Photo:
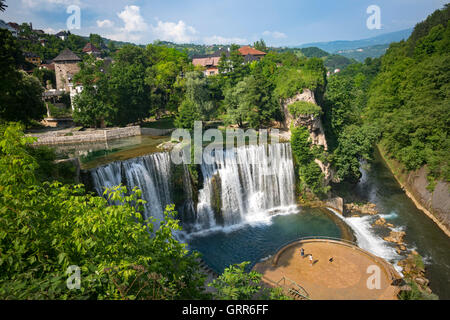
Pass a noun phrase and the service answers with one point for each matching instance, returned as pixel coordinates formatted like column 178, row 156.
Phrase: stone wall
column 61, row 71
column 65, row 137
column 155, row 132
column 435, row 204
column 87, row 136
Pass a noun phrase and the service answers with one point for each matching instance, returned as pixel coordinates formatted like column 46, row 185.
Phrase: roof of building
column 14, row 25
column 67, row 55
column 62, row 33
column 207, row 61
column 246, row 50
column 89, row 47
column 4, row 25
column 49, row 66
column 30, row 55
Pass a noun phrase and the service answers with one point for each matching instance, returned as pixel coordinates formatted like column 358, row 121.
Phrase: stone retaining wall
column 155, row 132
column 56, row 137
column 435, row 204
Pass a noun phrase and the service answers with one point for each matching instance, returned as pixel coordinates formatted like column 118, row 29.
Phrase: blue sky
column 279, row 23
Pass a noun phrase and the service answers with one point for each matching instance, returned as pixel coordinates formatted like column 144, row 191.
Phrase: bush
column 47, row 227
column 306, row 108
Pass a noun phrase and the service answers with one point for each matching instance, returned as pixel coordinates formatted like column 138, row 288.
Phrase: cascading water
column 239, row 185
column 152, row 174
column 246, row 184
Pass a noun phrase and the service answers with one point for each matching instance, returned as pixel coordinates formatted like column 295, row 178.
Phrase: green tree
column 237, row 284
column 97, row 41
column 20, row 93
column 260, row 45
column 309, row 173
column 197, row 91
column 93, row 106
column 129, row 93
column 187, row 114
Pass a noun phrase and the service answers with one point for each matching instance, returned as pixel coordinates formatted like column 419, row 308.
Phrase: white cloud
column 49, row 31
column 178, row 32
column 105, row 23
column 223, row 40
column 132, row 19
column 275, row 34
column 134, row 25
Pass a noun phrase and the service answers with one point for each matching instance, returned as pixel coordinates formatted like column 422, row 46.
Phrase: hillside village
column 55, row 60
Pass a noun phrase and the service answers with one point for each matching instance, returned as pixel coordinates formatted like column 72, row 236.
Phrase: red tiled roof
column 50, row 66
column 89, row 47
column 208, row 61
column 249, row 50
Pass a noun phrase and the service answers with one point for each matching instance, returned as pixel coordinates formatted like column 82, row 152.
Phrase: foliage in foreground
column 47, row 227
column 236, row 284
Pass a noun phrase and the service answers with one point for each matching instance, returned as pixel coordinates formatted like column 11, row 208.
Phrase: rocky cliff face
column 435, row 204
column 314, row 125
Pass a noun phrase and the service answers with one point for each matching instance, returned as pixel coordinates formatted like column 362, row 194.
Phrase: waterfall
column 239, row 185
column 249, row 182
column 151, row 174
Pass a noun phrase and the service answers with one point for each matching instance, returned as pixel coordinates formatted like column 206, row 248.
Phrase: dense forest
column 400, row 100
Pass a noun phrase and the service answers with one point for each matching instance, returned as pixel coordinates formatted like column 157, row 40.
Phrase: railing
column 389, row 269
column 318, row 237
column 314, row 238
column 300, row 291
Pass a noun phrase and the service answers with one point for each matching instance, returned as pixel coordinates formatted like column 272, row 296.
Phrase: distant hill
column 361, row 54
column 344, row 45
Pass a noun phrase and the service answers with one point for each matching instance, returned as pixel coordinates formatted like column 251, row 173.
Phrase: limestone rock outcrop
column 395, row 237
column 367, row 208
column 314, row 125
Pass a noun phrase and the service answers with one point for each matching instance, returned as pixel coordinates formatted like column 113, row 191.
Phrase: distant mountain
column 344, row 45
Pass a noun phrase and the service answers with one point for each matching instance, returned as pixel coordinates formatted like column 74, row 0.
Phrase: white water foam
column 389, row 216
column 368, row 240
column 264, row 218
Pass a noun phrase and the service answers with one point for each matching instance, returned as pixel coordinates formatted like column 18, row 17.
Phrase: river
column 378, row 185
column 252, row 238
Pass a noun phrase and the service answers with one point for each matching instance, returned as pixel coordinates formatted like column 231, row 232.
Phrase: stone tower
column 66, row 66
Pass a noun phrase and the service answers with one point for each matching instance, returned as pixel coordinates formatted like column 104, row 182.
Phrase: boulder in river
column 367, row 208
column 395, row 237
